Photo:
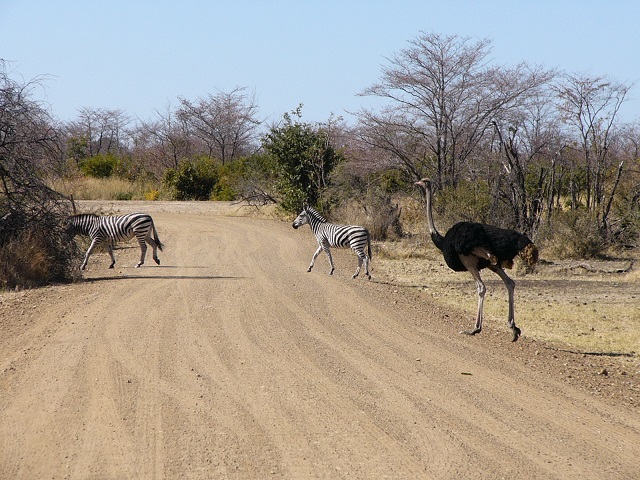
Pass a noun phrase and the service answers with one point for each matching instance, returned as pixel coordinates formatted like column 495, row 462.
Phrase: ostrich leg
column 469, row 262
column 510, row 284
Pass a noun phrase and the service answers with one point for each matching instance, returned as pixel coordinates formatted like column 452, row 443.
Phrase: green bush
column 227, row 178
column 101, row 166
column 304, row 159
column 193, row 179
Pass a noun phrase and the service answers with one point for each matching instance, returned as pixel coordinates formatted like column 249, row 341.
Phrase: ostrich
column 470, row 246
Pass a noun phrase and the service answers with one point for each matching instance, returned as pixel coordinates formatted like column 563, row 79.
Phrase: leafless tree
column 525, row 144
column 98, row 131
column 31, row 213
column 226, row 123
column 443, row 96
column 28, row 142
column 163, row 142
column 590, row 106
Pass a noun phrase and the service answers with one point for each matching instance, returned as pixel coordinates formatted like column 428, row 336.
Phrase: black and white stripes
column 332, row 235
column 111, row 229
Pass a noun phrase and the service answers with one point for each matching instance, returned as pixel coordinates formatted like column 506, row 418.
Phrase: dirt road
column 231, row 361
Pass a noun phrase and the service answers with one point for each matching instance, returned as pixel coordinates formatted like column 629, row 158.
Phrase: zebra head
column 70, row 227
column 79, row 224
column 301, row 219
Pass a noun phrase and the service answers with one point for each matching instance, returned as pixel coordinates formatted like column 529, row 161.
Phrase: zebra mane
column 312, row 212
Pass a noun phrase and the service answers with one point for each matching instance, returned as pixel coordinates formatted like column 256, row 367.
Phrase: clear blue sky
column 140, row 55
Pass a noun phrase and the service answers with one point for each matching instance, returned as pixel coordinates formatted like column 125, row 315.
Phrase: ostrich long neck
column 435, row 235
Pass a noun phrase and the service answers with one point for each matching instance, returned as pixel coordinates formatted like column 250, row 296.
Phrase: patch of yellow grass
column 111, row 188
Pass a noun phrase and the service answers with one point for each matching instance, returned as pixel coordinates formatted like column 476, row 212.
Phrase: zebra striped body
column 332, row 235
column 112, row 229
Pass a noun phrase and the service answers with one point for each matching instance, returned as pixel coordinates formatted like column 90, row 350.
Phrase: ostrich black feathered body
column 464, row 237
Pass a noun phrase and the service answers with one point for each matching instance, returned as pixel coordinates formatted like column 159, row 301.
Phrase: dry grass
column 28, row 261
column 111, row 188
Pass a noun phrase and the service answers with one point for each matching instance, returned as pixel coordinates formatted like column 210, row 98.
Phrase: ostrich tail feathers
column 529, row 254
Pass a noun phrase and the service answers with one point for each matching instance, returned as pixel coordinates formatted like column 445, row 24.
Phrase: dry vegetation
column 110, row 188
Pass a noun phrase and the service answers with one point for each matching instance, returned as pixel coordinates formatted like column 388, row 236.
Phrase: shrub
column 573, row 234
column 100, row 166
column 227, row 178
column 376, row 212
column 36, row 254
column 152, row 195
column 304, row 159
column 192, row 179
column 124, row 196
column 469, row 201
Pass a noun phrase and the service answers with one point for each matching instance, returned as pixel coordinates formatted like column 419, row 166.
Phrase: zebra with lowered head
column 112, row 229
column 332, row 235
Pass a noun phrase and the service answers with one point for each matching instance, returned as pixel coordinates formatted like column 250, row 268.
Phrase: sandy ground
column 231, row 361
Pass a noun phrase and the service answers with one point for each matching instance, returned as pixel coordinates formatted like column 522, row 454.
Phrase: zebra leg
column 154, row 246
column 113, row 258
column 362, row 259
column 155, row 253
column 326, row 249
column 94, row 244
column 359, row 266
column 313, row 258
column 143, row 252
column 366, row 266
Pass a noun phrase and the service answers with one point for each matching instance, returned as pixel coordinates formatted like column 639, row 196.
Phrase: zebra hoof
column 157, row 260
column 111, row 266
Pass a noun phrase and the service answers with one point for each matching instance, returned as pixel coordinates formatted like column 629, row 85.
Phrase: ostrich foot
column 516, row 333
column 471, row 332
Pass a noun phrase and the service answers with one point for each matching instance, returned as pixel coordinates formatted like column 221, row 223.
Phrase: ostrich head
column 424, row 183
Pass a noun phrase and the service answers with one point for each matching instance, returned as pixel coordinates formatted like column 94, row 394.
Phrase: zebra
column 111, row 229
column 332, row 235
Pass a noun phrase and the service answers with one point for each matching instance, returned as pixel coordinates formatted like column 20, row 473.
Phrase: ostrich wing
column 467, row 236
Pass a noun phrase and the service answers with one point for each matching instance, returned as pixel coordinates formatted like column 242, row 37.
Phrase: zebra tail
column 369, row 247
column 155, row 236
